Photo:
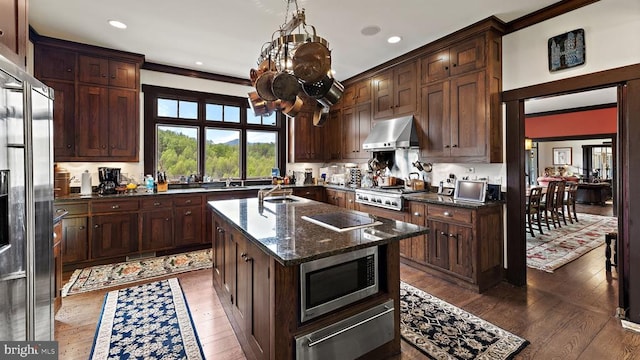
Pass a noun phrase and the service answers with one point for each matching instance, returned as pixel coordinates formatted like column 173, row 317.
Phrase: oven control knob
column 387, row 202
column 379, row 200
column 394, row 203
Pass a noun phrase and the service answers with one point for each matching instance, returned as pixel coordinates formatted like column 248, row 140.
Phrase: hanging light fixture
column 294, row 71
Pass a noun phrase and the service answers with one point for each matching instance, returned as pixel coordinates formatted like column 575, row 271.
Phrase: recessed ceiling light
column 198, row 62
column 370, row 30
column 394, row 39
column 117, row 24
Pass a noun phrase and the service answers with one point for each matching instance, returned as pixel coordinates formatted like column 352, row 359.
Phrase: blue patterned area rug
column 150, row 321
column 443, row 331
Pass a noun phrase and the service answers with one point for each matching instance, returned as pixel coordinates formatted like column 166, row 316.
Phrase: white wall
column 611, row 29
column 545, row 153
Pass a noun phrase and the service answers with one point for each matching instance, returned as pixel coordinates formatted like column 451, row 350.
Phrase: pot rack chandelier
column 294, row 71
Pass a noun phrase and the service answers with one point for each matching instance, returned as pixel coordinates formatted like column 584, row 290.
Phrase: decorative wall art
column 567, row 50
column 562, row 156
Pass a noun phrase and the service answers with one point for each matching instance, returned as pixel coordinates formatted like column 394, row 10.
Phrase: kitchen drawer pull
column 61, row 210
column 187, row 213
column 157, row 203
column 81, row 227
column 446, row 213
column 115, row 206
column 416, row 214
column 247, row 259
column 96, row 226
column 167, row 219
column 443, row 233
column 220, row 230
column 187, row 202
column 316, row 342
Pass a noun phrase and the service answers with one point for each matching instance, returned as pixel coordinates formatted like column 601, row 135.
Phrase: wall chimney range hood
column 389, row 135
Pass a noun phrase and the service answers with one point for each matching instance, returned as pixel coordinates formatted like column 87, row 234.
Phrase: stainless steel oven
column 330, row 283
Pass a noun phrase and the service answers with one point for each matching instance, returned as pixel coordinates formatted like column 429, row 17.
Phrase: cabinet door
column 332, row 134
column 157, row 230
column 383, row 101
column 230, row 256
column 123, row 126
column 434, row 131
column 122, row 74
column 188, row 225
column 350, row 134
column 416, row 247
column 313, row 193
column 460, row 260
column 350, row 200
column 218, row 246
column 75, row 242
column 336, row 197
column 438, row 244
column 93, row 122
column 93, row 70
column 404, row 88
column 467, row 56
column 241, row 307
column 64, row 131
column 13, row 30
column 434, row 67
column 257, row 328
column 468, row 115
column 114, row 235
column 51, row 63
column 357, row 93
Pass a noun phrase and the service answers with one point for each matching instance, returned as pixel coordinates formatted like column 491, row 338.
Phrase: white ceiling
column 226, row 36
column 572, row 101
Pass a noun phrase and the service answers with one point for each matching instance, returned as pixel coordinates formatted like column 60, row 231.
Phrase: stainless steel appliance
column 26, row 161
column 385, row 197
column 392, row 134
column 350, row 338
column 109, row 180
column 330, row 283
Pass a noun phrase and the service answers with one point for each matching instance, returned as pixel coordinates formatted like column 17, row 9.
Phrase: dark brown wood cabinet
column 356, row 93
column 316, row 193
column 14, row 22
column 332, row 134
column 356, row 124
column 74, row 243
column 96, row 112
column 459, row 116
column 187, row 215
column 463, row 245
column 157, row 224
column 336, row 197
column 305, row 140
column 114, row 228
column 394, row 91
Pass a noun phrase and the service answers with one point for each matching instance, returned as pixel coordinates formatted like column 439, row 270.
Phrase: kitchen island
column 261, row 251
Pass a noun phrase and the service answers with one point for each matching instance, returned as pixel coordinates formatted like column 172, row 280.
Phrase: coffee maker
column 109, row 180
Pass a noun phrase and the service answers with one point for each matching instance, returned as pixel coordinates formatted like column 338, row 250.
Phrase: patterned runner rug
column 150, row 321
column 560, row 246
column 443, row 331
column 111, row 275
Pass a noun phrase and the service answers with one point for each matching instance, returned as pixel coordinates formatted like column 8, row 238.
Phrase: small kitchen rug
column 443, row 331
column 149, row 321
column 112, row 275
column 559, row 246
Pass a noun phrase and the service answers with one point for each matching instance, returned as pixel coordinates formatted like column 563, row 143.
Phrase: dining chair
column 570, row 201
column 533, row 210
column 560, row 198
column 548, row 205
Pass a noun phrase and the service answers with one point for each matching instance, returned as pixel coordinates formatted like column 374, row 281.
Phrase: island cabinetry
column 74, row 241
column 114, row 228
column 187, row 215
column 460, row 118
column 356, row 125
column 157, row 224
column 464, row 245
column 394, row 91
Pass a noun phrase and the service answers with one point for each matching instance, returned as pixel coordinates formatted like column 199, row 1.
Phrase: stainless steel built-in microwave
column 330, row 283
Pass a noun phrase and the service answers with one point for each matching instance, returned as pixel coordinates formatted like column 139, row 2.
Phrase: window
column 211, row 136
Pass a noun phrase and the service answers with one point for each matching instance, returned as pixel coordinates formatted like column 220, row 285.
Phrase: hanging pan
column 311, row 61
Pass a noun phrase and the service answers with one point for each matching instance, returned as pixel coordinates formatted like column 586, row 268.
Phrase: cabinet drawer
column 450, row 213
column 157, row 202
column 71, row 208
column 187, row 200
column 115, row 205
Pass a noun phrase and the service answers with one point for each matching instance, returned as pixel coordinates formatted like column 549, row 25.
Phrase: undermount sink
column 279, row 199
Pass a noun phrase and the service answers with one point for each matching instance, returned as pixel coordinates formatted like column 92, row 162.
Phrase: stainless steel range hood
column 386, row 135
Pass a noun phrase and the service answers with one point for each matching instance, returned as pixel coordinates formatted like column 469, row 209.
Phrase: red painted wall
column 600, row 121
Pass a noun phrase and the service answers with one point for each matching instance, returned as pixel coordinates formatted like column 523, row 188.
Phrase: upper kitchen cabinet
column 96, row 113
column 460, row 117
column 394, row 91
column 305, row 139
column 102, row 71
column 332, row 134
column 14, row 33
column 356, row 124
column 356, row 93
column 455, row 60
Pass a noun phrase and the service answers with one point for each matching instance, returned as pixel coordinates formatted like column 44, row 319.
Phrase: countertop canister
column 85, row 184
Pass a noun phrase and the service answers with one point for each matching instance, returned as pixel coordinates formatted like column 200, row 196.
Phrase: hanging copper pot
column 263, row 86
column 285, row 86
column 320, row 115
column 311, row 61
column 292, row 108
column 260, row 106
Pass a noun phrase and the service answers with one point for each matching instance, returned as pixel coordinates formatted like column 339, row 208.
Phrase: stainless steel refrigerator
column 26, row 206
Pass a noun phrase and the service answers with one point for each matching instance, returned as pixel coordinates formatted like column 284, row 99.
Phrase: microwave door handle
column 316, row 342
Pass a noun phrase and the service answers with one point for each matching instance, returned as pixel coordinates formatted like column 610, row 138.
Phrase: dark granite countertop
column 280, row 231
column 57, row 217
column 433, row 198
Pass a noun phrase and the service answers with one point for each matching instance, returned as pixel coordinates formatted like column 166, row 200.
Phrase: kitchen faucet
column 262, row 193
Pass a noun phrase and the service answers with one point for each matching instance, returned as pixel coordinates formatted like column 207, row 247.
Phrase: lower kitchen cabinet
column 114, row 235
column 74, row 243
column 336, row 197
column 157, row 230
column 464, row 245
column 316, row 193
column 187, row 215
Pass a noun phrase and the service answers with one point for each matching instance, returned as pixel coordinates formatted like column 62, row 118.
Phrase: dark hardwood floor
column 568, row 314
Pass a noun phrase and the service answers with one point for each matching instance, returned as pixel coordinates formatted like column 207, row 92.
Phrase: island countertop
column 280, row 231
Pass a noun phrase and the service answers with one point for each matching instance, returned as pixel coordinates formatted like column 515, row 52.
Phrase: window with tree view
column 208, row 137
